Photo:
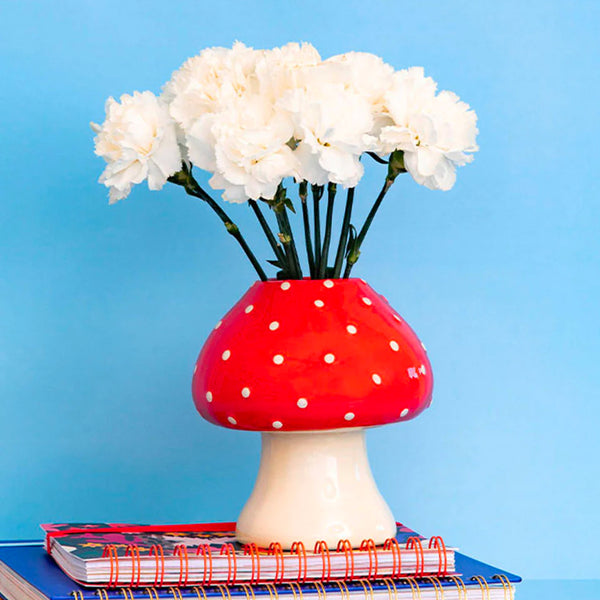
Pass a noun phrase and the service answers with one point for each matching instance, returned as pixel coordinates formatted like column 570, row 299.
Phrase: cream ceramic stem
column 315, row 486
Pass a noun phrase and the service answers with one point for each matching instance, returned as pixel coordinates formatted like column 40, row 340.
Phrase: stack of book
column 203, row 561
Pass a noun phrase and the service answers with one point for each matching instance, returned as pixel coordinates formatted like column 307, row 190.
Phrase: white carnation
column 210, row 82
column 277, row 71
column 367, row 75
column 138, row 141
column 331, row 125
column 251, row 149
column 436, row 132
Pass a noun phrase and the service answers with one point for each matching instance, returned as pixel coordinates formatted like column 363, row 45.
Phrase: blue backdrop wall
column 104, row 309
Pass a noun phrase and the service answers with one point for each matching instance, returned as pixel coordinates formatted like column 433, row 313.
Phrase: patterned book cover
column 108, row 554
column 87, row 540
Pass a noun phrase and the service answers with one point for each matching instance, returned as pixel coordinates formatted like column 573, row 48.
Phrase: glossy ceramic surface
column 308, row 355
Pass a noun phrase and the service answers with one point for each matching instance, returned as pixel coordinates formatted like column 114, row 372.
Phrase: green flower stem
column 287, row 240
column 307, row 239
column 355, row 251
column 285, row 221
column 331, row 190
column 317, row 193
column 339, row 257
column 192, row 188
column 377, row 158
column 279, row 255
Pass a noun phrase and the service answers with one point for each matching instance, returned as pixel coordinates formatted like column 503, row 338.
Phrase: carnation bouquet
column 309, row 359
column 262, row 121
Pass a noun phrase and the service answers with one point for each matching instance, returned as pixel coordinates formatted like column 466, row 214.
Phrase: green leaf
column 287, row 202
column 352, row 235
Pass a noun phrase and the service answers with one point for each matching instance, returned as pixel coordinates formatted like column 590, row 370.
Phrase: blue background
column 104, row 309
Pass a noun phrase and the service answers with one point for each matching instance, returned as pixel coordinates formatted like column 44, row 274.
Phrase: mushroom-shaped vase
column 312, row 364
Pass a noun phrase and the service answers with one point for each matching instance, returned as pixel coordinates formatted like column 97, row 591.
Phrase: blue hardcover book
column 28, row 572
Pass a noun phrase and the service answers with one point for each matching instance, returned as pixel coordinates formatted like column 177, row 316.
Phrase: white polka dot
column 394, row 345
column 404, row 412
column 328, row 283
column 209, row 396
column 226, row 354
column 376, row 379
column 367, row 301
column 232, row 420
column 286, row 285
column 277, row 424
column 319, row 303
column 249, row 308
column 273, row 325
column 329, row 358
column 351, row 329
column 302, row 403
column 218, row 324
column 397, row 318
column 278, row 359
column 349, row 416
column 246, row 392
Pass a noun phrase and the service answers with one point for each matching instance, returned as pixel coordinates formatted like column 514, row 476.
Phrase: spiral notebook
column 109, row 555
column 28, row 573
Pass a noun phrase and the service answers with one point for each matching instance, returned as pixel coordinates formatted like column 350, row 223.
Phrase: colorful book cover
column 103, row 554
column 88, row 540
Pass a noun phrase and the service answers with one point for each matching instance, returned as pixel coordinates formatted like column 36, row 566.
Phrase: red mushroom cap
column 306, row 355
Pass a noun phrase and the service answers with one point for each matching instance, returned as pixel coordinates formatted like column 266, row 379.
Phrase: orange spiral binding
column 152, row 593
column 134, row 551
column 369, row 546
column 157, row 551
column 414, row 587
column 200, row 589
column 391, row 587
column 415, row 542
column 127, row 594
column 393, row 545
column 437, row 586
column 346, row 547
column 184, row 565
column 322, row 549
column 248, row 590
column 102, row 594
column 438, row 543
column 229, row 550
column 206, row 552
column 110, row 551
column 77, row 595
column 460, row 586
column 483, row 585
column 252, row 550
column 506, row 586
column 176, row 593
column 367, row 587
column 273, row 593
column 276, row 550
column 299, row 549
